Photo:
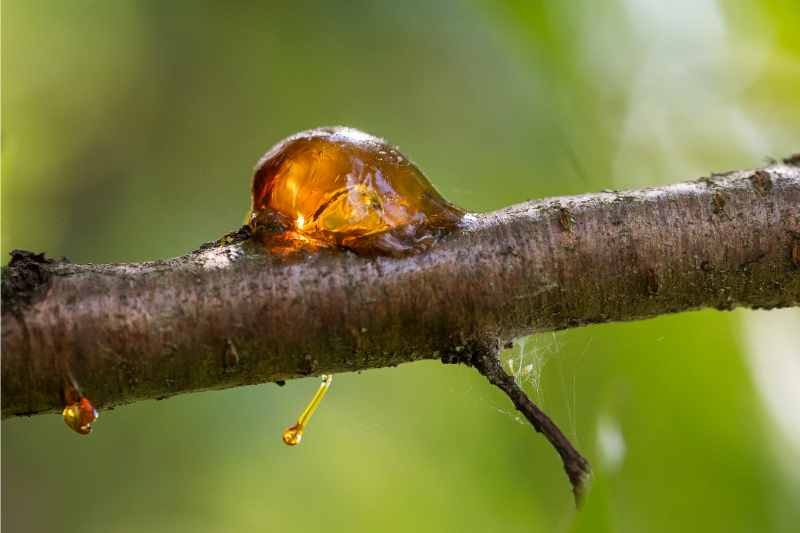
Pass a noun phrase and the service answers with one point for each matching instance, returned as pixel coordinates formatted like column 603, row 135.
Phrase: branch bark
column 229, row 314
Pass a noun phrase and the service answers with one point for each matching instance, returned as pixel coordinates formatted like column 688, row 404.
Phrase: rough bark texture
column 230, row 314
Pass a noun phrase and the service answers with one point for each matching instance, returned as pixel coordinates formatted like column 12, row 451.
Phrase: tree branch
column 576, row 467
column 229, row 314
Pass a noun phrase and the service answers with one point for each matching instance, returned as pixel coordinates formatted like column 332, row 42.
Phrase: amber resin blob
column 80, row 415
column 343, row 187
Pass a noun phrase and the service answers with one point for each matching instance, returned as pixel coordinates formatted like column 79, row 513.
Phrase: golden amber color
column 80, row 415
column 294, row 434
column 343, row 187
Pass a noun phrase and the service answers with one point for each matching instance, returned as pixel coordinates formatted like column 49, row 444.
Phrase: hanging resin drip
column 80, row 415
column 294, row 434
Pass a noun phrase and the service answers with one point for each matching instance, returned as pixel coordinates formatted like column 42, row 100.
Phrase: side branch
column 230, row 314
column 575, row 465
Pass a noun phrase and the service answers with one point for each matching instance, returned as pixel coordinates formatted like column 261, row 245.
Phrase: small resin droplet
column 80, row 415
column 343, row 187
column 294, row 434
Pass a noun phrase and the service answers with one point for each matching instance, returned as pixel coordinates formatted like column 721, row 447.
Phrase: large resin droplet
column 343, row 187
column 80, row 415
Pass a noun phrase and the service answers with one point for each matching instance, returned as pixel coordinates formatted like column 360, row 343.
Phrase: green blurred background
column 128, row 133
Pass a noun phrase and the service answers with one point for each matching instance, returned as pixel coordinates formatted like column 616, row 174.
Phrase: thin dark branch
column 575, row 465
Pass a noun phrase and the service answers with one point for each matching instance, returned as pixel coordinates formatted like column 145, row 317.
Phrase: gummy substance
column 294, row 434
column 80, row 415
column 343, row 187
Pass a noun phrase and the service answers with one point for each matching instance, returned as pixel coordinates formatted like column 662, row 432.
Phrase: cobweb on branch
column 526, row 361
